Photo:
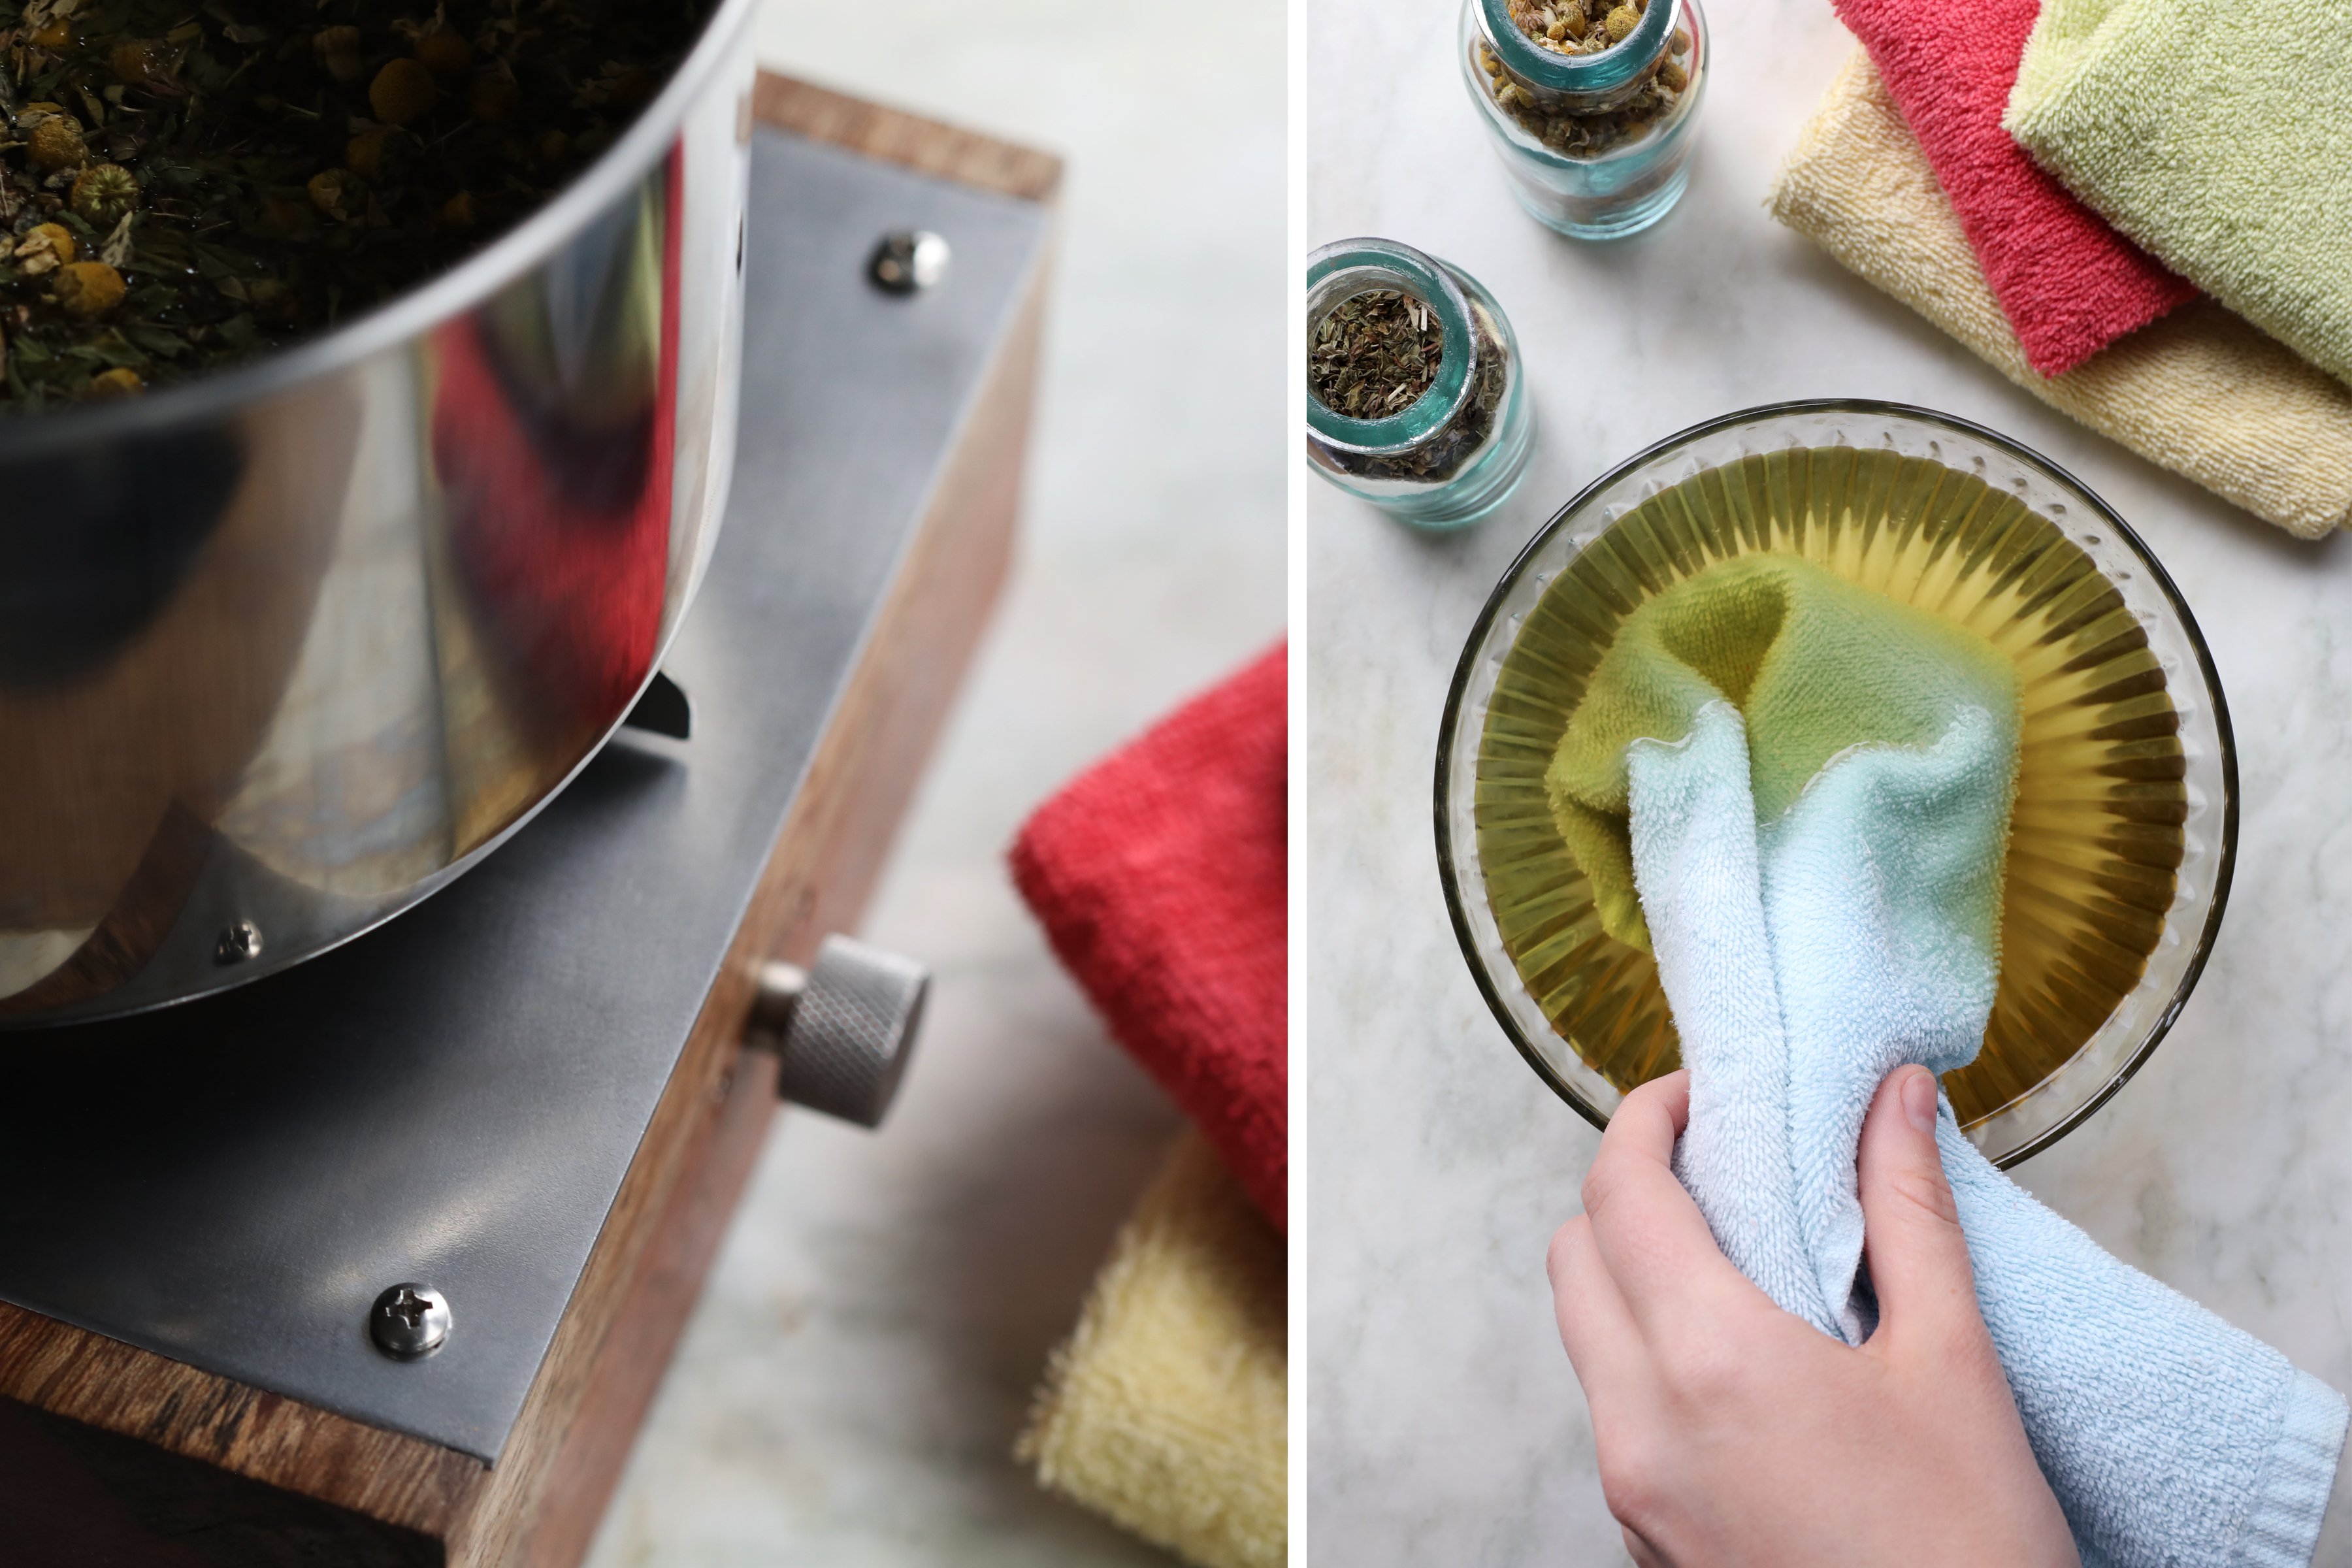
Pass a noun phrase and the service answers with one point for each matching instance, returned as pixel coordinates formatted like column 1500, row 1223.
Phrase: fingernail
column 1918, row 1094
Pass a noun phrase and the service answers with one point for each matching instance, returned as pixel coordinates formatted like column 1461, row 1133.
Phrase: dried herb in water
column 1587, row 28
column 184, row 184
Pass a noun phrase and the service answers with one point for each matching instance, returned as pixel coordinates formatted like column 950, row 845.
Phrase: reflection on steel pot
column 283, row 651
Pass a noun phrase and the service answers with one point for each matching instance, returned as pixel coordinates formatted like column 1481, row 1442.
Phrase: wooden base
column 110, row 1454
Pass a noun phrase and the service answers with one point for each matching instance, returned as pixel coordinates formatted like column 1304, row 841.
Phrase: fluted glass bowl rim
column 1482, row 642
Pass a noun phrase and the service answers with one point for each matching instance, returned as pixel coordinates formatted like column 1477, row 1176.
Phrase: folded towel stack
column 2199, row 392
column 2219, row 146
column 1160, row 876
column 2222, row 144
column 1166, row 1409
column 2069, row 284
column 1812, row 939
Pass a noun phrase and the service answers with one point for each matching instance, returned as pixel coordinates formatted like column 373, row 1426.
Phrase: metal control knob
column 845, row 1026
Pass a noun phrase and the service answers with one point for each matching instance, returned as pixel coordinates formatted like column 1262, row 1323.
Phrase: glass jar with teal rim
column 1593, row 104
column 1449, row 456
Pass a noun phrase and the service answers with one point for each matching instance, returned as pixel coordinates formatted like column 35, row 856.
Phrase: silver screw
column 237, row 943
column 409, row 1320
column 909, row 259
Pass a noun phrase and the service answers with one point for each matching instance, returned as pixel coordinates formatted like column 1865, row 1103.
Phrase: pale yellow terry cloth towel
column 1166, row 1410
column 2221, row 139
column 2198, row 391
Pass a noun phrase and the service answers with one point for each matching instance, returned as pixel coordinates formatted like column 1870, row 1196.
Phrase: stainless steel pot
column 285, row 650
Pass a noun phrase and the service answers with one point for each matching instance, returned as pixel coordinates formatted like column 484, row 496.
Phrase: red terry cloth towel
column 1161, row 876
column 2068, row 283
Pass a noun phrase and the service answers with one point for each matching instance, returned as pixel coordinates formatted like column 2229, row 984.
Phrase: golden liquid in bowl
column 2095, row 836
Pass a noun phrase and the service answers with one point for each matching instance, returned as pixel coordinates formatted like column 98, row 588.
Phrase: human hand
column 1730, row 1432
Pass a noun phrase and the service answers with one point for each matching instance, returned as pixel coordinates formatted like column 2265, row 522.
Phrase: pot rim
column 441, row 296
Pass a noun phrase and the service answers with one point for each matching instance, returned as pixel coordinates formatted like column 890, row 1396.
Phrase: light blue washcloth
column 1805, row 959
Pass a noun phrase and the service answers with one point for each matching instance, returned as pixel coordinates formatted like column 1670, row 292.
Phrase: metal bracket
column 844, row 1027
column 663, row 709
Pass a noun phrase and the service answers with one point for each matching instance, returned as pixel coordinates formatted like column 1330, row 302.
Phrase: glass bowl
column 2126, row 825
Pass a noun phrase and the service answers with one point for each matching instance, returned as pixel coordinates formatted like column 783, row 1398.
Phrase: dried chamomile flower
column 373, row 154
column 220, row 175
column 443, row 53
column 343, row 51
column 1565, row 26
column 288, row 212
column 120, row 382
column 493, row 99
column 55, row 143
column 89, row 289
column 338, row 193
column 44, row 248
column 102, row 194
column 402, row 93
column 1585, row 135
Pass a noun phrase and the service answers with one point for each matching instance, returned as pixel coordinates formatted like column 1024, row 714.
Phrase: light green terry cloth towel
column 1816, row 666
column 2221, row 140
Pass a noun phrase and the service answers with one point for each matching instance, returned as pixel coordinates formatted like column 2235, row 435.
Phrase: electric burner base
column 532, row 1093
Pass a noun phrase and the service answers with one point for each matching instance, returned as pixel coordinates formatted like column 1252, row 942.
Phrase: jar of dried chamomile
column 1414, row 399
column 1593, row 104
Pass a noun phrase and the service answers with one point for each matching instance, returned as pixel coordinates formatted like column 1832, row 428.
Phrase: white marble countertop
column 1444, row 1425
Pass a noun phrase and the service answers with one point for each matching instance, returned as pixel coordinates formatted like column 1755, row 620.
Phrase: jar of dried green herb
column 1593, row 104
column 1414, row 399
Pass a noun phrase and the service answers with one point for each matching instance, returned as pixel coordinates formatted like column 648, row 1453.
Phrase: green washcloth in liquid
column 1816, row 666
column 2221, row 140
